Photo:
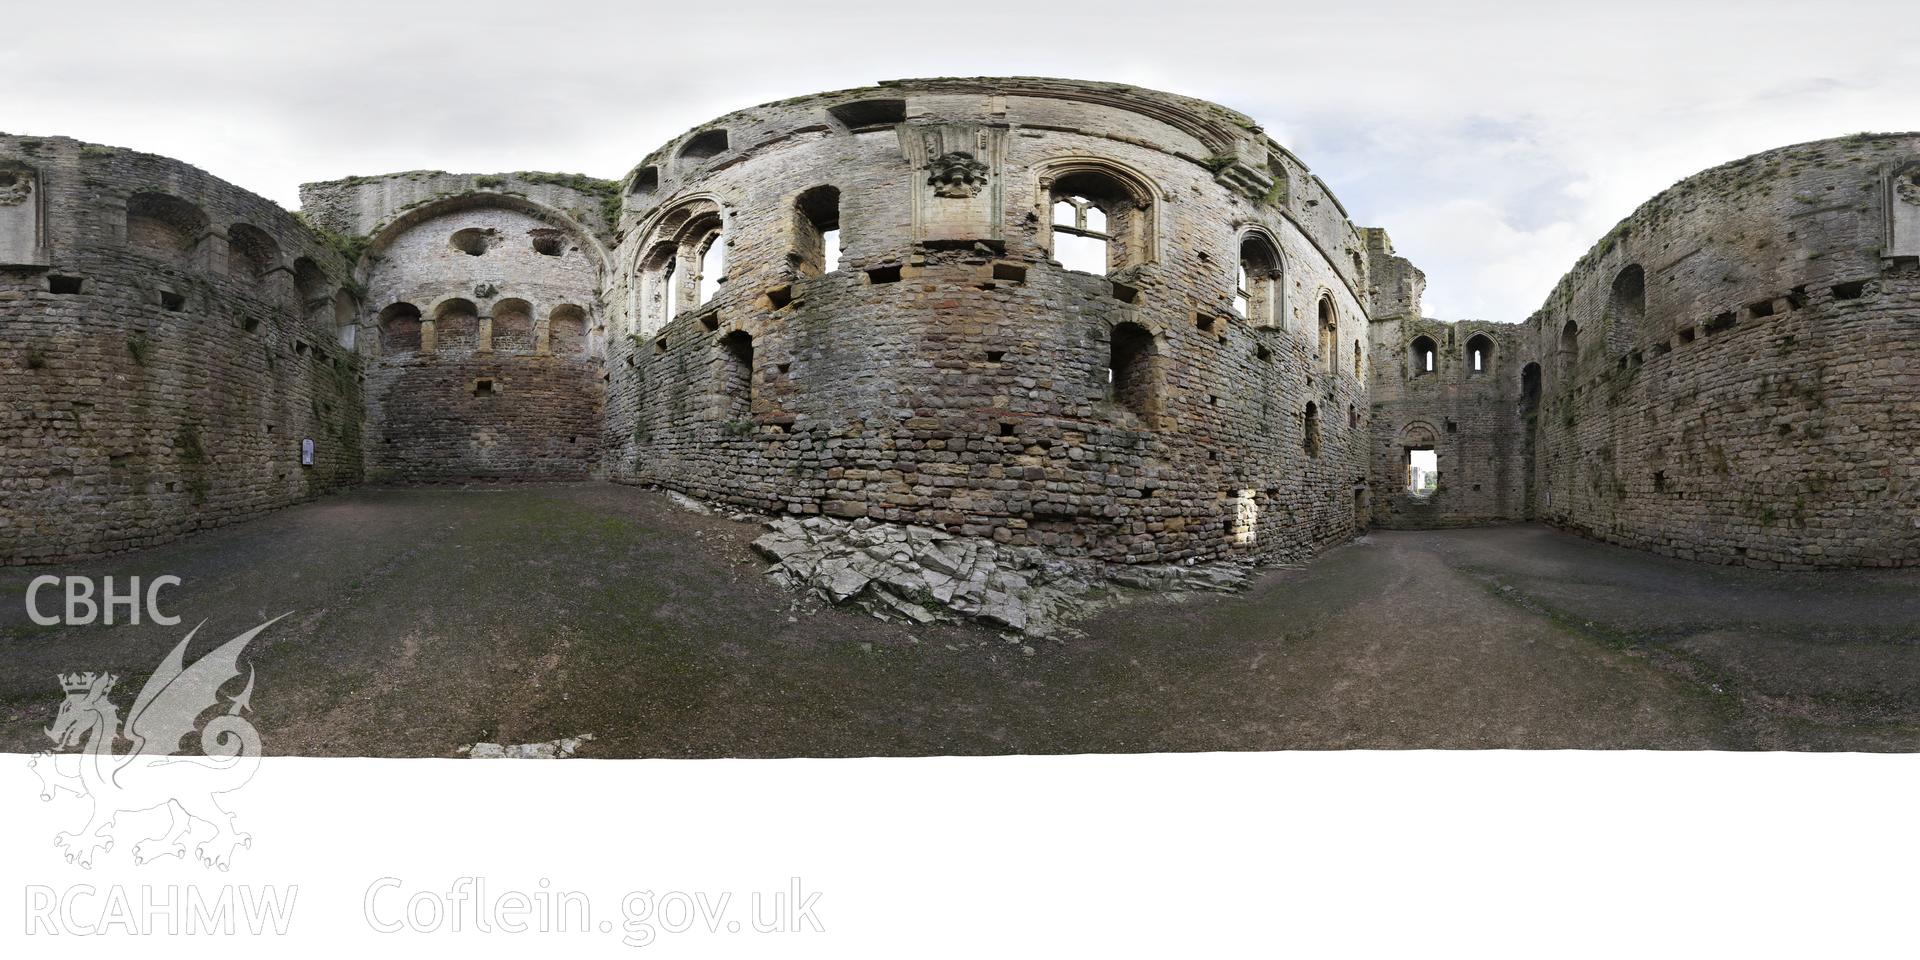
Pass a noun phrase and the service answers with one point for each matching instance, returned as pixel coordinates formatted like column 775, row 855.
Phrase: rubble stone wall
column 951, row 373
column 168, row 341
column 1761, row 404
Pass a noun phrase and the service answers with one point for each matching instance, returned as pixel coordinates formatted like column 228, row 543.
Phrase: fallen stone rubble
column 921, row 575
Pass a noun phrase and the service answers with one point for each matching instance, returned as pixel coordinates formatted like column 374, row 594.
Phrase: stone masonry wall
column 486, row 346
column 957, row 377
column 1763, row 407
column 165, row 356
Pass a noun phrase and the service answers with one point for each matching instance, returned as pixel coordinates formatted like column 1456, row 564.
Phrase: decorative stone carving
column 956, row 187
column 16, row 187
column 956, row 175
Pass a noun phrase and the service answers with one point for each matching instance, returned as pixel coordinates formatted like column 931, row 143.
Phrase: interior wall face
column 1763, row 407
column 500, row 377
column 163, row 363
column 1728, row 376
column 949, row 372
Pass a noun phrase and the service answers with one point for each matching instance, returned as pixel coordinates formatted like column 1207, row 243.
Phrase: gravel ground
column 425, row 619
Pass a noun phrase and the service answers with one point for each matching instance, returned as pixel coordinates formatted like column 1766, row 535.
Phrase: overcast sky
column 1495, row 142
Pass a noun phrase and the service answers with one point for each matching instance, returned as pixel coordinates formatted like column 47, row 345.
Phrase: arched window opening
column 1530, row 387
column 1569, row 348
column 346, row 328
column 1257, row 285
column 1130, row 368
column 456, row 326
column 713, row 266
column 736, row 373
column 400, row 328
column 1627, row 303
column 1329, row 336
column 163, row 226
column 1479, row 355
column 566, row 330
column 309, row 284
column 1422, row 353
column 1098, row 219
column 1310, row 437
column 251, row 252
column 512, row 327
column 816, row 231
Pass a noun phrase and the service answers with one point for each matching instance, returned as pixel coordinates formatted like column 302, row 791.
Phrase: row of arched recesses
column 1423, row 356
column 457, row 326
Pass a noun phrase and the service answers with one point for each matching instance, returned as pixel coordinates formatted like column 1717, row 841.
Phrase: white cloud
column 1495, row 142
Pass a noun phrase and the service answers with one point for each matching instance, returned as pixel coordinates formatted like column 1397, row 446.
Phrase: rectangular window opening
column 886, row 274
column 1423, row 471
column 1853, row 290
column 65, row 286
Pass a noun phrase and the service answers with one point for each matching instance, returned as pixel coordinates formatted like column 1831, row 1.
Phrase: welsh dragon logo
column 154, row 774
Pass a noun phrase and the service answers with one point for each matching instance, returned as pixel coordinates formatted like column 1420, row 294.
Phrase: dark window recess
column 1850, row 291
column 870, row 113
column 1659, row 481
column 1452, row 427
column 65, row 286
column 1125, row 293
column 1762, row 308
column 660, row 345
column 1014, row 272
column 1719, row 322
column 300, row 348
column 483, row 388
column 995, row 356
column 1260, row 350
column 1006, row 429
column 173, row 301
column 1688, row 335
column 780, row 296
column 886, row 274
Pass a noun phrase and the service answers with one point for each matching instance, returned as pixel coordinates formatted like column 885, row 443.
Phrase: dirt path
column 429, row 618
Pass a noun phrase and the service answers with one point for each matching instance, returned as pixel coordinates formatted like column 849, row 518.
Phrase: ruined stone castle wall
column 486, row 341
column 1734, row 374
column 1472, row 420
column 169, row 341
column 948, row 372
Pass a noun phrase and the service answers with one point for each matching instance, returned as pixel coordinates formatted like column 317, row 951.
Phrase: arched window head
column 1329, row 335
column 1310, row 437
column 566, row 330
column 1627, row 302
column 684, row 262
column 400, row 328
column 1423, row 354
column 1099, row 218
column 1256, row 294
column 1479, row 355
column 816, row 232
column 1569, row 348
